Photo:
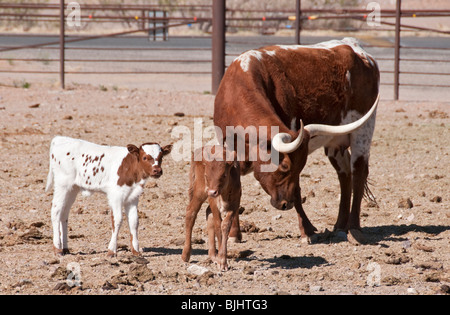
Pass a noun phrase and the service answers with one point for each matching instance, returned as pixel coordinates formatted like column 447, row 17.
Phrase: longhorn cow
column 322, row 95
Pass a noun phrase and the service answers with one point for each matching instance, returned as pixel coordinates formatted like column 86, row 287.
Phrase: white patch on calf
column 153, row 150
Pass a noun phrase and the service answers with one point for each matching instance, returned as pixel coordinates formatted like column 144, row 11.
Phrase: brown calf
column 217, row 180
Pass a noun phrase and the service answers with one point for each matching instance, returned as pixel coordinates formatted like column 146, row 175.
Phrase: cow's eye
column 284, row 167
column 144, row 158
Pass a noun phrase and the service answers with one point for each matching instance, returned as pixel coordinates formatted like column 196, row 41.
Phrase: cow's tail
column 368, row 195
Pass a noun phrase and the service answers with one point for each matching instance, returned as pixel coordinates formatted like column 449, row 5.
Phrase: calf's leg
column 191, row 215
column 116, row 217
column 63, row 199
column 235, row 232
column 131, row 211
column 211, row 233
column 225, row 230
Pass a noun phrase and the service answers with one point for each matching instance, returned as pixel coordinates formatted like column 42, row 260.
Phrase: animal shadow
column 164, row 251
column 395, row 233
column 288, row 262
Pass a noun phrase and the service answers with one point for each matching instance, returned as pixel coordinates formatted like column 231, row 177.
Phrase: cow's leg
column 360, row 172
column 131, row 212
column 340, row 159
column 360, row 146
column 306, row 228
column 191, row 215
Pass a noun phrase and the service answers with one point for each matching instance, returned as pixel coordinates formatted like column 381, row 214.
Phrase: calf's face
column 217, row 172
column 150, row 157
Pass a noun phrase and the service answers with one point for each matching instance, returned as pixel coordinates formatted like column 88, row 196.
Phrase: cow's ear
column 167, row 149
column 133, row 149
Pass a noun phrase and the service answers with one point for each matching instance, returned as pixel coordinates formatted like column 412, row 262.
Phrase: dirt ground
column 408, row 231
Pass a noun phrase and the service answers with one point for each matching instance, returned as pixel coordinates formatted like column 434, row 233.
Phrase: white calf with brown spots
column 119, row 172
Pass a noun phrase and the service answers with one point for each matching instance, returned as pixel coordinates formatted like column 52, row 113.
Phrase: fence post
column 218, row 43
column 61, row 43
column 397, row 50
column 298, row 22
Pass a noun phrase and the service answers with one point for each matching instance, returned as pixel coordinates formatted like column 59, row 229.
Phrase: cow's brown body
column 332, row 83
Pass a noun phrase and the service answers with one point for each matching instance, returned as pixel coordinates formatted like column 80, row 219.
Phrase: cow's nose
column 213, row 193
column 284, row 205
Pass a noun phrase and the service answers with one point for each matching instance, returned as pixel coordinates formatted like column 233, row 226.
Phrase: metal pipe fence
column 213, row 56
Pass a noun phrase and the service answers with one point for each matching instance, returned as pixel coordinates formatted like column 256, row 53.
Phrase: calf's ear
column 167, row 149
column 133, row 149
column 232, row 159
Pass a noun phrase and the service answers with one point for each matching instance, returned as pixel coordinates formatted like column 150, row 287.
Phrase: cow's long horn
column 327, row 130
column 281, row 141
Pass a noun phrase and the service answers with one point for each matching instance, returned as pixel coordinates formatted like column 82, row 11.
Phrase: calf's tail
column 50, row 170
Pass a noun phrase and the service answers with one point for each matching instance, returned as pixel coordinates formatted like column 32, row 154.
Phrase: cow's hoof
column 309, row 239
column 111, row 254
column 306, row 240
column 340, row 236
column 356, row 237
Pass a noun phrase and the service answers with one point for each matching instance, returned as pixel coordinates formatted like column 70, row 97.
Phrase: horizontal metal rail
column 265, row 20
column 112, row 60
column 105, row 7
column 105, row 72
column 91, row 37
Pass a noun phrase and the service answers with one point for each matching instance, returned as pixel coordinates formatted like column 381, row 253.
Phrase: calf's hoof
column 61, row 252
column 135, row 253
column 185, row 257
column 222, row 263
column 111, row 254
column 235, row 239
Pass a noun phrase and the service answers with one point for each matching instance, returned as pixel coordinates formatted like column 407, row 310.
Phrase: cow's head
column 150, row 157
column 218, row 168
column 282, row 183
